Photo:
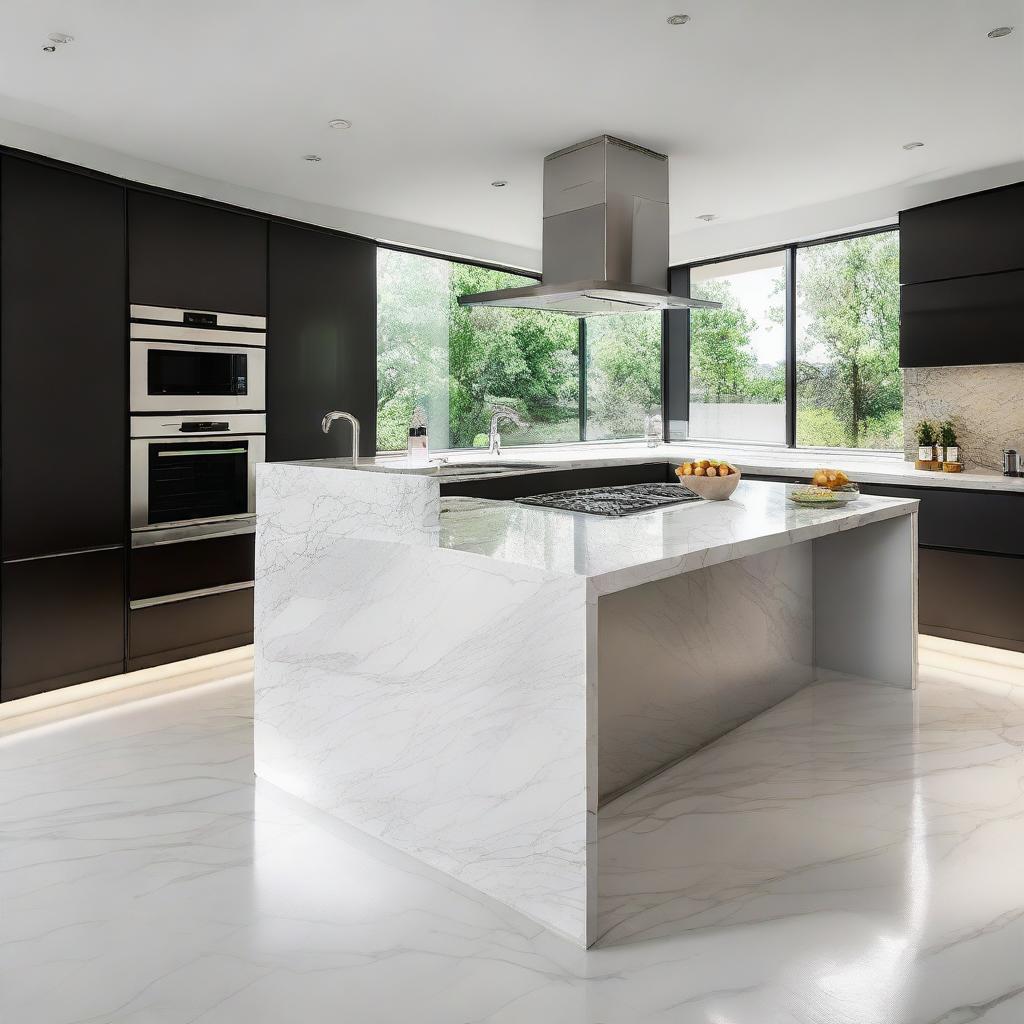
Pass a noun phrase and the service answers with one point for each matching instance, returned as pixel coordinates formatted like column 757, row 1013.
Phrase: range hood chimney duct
column 605, row 244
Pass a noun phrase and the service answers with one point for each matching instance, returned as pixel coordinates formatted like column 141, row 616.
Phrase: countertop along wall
column 985, row 402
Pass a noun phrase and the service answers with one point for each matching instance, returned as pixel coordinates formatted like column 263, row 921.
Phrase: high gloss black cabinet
column 321, row 343
column 963, row 321
column 982, row 233
column 63, row 360
column 63, row 621
column 188, row 255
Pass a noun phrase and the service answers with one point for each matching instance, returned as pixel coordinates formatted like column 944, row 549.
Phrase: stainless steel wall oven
column 194, row 360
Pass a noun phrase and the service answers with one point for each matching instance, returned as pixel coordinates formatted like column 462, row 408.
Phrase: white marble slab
column 618, row 553
column 426, row 697
column 764, row 460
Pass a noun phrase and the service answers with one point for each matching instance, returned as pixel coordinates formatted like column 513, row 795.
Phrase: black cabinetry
column 63, row 621
column 322, row 342
column 981, row 233
column 62, row 427
column 188, row 255
column 962, row 274
column 63, row 355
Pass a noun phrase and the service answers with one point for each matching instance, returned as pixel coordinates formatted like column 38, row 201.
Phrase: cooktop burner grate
column 623, row 500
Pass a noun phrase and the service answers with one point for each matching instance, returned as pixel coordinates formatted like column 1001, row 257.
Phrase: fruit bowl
column 713, row 488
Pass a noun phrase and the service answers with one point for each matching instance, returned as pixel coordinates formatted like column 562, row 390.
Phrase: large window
column 838, row 320
column 623, row 374
column 849, row 392
column 458, row 362
column 738, row 352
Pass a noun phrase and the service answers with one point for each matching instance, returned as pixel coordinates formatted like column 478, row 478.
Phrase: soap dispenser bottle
column 419, row 447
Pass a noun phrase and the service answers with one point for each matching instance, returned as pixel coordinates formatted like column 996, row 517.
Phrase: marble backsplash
column 985, row 402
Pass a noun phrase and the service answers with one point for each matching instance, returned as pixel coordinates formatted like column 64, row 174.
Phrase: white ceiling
column 763, row 106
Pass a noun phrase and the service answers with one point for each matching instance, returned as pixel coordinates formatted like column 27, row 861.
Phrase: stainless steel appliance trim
column 177, row 316
column 155, row 536
column 202, row 335
column 64, row 554
column 201, row 451
column 139, row 511
column 170, row 426
column 138, row 381
column 188, row 595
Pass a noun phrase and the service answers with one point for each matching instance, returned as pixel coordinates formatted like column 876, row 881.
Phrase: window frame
column 677, row 326
column 581, row 326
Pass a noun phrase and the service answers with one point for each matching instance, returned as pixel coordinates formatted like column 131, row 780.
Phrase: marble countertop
column 617, row 553
column 879, row 468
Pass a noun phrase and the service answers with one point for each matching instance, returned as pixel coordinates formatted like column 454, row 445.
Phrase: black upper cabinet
column 63, row 351
column 963, row 321
column 981, row 233
column 188, row 255
column 322, row 342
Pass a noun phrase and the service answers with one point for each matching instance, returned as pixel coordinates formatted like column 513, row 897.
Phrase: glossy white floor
column 853, row 856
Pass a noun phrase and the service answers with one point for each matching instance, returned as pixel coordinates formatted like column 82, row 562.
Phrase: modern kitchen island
column 477, row 682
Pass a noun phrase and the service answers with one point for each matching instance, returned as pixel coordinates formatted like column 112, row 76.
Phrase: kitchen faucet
column 325, row 425
column 501, row 412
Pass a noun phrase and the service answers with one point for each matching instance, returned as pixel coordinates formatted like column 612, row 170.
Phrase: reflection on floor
column 852, row 857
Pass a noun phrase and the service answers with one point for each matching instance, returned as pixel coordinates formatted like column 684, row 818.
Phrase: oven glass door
column 191, row 480
column 168, row 377
column 216, row 374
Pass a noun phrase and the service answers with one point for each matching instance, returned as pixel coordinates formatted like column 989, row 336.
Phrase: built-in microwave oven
column 194, row 475
column 195, row 360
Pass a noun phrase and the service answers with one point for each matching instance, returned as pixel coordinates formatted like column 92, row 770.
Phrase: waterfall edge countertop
column 869, row 468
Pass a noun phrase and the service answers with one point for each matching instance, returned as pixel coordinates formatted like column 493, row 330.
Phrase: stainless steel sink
column 486, row 468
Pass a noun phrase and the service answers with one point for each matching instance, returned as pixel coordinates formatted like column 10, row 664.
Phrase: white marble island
column 475, row 682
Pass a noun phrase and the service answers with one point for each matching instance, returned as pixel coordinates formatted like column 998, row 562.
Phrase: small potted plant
column 926, row 454
column 950, row 447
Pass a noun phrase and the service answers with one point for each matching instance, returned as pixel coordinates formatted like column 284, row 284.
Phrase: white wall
column 383, row 229
column 868, row 209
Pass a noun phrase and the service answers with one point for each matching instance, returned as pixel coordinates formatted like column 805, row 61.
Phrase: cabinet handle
column 201, row 451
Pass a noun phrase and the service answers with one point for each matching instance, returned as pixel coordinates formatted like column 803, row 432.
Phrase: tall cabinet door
column 63, row 323
column 321, row 343
column 188, row 255
column 63, row 425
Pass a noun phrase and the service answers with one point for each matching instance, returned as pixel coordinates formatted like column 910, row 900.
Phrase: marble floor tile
column 855, row 859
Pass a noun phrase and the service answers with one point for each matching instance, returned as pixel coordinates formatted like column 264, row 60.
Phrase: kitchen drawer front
column 961, row 520
column 63, row 621
column 972, row 597
column 190, row 565
column 507, row 488
column 161, row 633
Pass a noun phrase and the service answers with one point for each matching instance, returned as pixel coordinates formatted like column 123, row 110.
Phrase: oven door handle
column 202, row 451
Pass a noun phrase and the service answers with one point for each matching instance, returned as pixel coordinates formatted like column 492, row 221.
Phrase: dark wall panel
column 322, row 342
column 62, row 337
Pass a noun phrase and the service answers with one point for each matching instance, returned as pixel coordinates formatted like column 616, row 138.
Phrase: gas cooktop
column 623, row 500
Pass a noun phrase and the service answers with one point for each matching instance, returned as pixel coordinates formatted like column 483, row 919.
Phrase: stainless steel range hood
column 605, row 235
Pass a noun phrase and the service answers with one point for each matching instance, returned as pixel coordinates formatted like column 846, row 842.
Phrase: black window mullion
column 583, row 377
column 790, row 323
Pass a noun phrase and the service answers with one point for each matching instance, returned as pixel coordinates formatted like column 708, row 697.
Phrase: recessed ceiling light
column 998, row 33
column 500, row 183
column 339, row 122
column 707, row 217
column 312, row 158
column 913, row 145
column 678, row 19
column 57, row 39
